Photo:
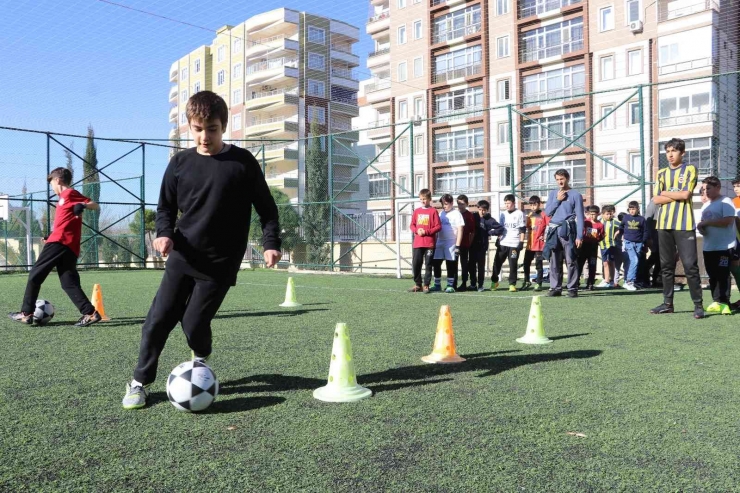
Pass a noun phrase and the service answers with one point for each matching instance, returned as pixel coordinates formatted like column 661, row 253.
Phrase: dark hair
column 563, row 172
column 426, row 193
column 593, row 208
column 736, row 180
column 608, row 208
column 634, row 203
column 509, row 197
column 462, row 198
column 62, row 173
column 677, row 144
column 207, row 105
column 712, row 180
column 484, row 204
column 535, row 199
column 446, row 199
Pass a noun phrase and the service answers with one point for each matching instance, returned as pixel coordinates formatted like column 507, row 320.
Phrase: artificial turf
column 621, row 400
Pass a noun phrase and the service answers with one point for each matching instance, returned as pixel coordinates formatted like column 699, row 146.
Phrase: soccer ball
column 192, row 386
column 43, row 312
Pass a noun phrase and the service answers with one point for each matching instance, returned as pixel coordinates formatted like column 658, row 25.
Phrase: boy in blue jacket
column 635, row 234
column 485, row 226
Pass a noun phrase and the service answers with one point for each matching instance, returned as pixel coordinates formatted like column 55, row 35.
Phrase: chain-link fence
column 339, row 195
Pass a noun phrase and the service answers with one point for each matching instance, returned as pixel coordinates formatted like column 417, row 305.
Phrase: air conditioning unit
column 636, row 26
column 417, row 121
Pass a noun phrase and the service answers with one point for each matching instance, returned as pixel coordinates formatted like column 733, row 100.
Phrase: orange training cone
column 444, row 342
column 97, row 301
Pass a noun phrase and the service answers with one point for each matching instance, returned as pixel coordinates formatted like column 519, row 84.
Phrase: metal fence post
column 511, row 151
column 642, row 147
column 142, row 191
column 48, row 185
column 411, row 159
column 330, row 150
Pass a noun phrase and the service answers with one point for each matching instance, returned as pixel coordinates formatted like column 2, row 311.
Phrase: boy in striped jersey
column 676, row 228
column 608, row 245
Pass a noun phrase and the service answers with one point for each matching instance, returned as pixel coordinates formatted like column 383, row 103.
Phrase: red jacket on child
column 469, row 229
column 426, row 218
column 536, row 227
column 592, row 232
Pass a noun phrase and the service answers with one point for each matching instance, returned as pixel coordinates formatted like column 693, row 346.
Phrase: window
column 456, row 24
column 686, row 50
column 419, row 107
column 633, row 10
column 401, row 4
column 402, row 76
column 634, row 62
column 401, row 39
column 419, row 182
column 403, row 182
column 418, row 67
column 699, row 152
column 196, row 87
column 380, row 184
column 236, row 122
column 417, row 30
column 552, row 40
column 634, row 112
column 403, row 147
column 461, row 103
column 606, row 19
column 236, row 96
column 316, row 61
column 565, row 82
column 543, row 179
column 236, row 45
column 418, row 145
column 502, row 7
column 184, row 96
column 503, row 133
column 316, row 88
column 607, row 67
column 220, row 77
column 459, row 63
column 608, row 171
column 184, row 74
column 635, row 164
column 316, row 35
column 552, row 133
column 504, row 176
column 686, row 104
column 455, row 182
column 502, row 47
column 196, row 65
column 220, row 53
column 237, row 71
column 502, row 89
column 183, row 118
column 459, row 145
column 608, row 121
column 317, row 114
column 403, row 110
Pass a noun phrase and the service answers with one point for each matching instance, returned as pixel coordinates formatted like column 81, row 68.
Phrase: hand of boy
column 162, row 245
column 272, row 257
column 421, row 232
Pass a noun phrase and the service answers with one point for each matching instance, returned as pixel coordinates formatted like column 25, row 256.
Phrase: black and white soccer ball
column 192, row 386
column 43, row 312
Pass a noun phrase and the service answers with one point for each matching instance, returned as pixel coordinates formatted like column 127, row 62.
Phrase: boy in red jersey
column 593, row 234
column 61, row 251
column 424, row 225
column 537, row 222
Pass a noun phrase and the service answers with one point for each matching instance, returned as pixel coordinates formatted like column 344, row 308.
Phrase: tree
column 68, row 158
column 289, row 221
column 90, row 189
column 317, row 209
column 134, row 226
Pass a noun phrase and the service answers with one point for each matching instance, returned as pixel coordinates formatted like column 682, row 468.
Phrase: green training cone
column 535, row 330
column 290, row 301
column 342, row 385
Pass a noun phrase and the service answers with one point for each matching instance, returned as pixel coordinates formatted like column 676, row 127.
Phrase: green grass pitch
column 655, row 396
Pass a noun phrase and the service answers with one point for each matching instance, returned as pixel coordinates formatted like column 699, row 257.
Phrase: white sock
column 135, row 383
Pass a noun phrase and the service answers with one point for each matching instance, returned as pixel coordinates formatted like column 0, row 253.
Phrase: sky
column 69, row 64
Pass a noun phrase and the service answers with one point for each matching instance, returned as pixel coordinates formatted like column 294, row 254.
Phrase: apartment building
column 280, row 72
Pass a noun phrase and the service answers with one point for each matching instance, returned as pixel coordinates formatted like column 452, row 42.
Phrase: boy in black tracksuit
column 214, row 186
column 485, row 226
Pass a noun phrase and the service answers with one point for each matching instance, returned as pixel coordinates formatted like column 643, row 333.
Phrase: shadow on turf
column 490, row 363
column 226, row 406
column 557, row 338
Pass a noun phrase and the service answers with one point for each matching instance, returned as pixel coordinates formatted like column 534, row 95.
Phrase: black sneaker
column 663, row 308
column 553, row 293
column 21, row 317
column 526, row 285
column 86, row 320
column 698, row 312
column 572, row 293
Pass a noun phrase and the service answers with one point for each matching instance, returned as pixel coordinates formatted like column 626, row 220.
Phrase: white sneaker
column 630, row 286
column 603, row 284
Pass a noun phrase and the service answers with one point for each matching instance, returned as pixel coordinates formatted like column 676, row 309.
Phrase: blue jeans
column 633, row 250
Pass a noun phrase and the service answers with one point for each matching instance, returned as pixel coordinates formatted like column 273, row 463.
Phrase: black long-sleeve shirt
column 215, row 195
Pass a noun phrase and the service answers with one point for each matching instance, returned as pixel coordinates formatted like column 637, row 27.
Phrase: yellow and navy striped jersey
column 610, row 227
column 678, row 215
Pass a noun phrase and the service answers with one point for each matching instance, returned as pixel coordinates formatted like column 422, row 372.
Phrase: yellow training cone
column 97, row 301
column 342, row 385
column 535, row 330
column 444, row 342
column 290, row 301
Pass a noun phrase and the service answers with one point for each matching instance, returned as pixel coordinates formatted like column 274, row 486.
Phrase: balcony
column 442, row 116
column 381, row 130
column 346, row 57
column 540, row 8
column 683, row 66
column 379, row 22
column 173, row 94
column 378, row 91
column 444, row 35
column 551, row 51
column 541, row 98
column 379, row 57
column 173, row 115
column 444, row 156
column 665, row 13
column 457, row 73
column 688, row 119
column 270, row 69
column 174, row 69
column 380, row 52
column 343, row 72
column 173, row 133
column 274, row 127
column 549, row 144
column 278, row 181
column 263, row 99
